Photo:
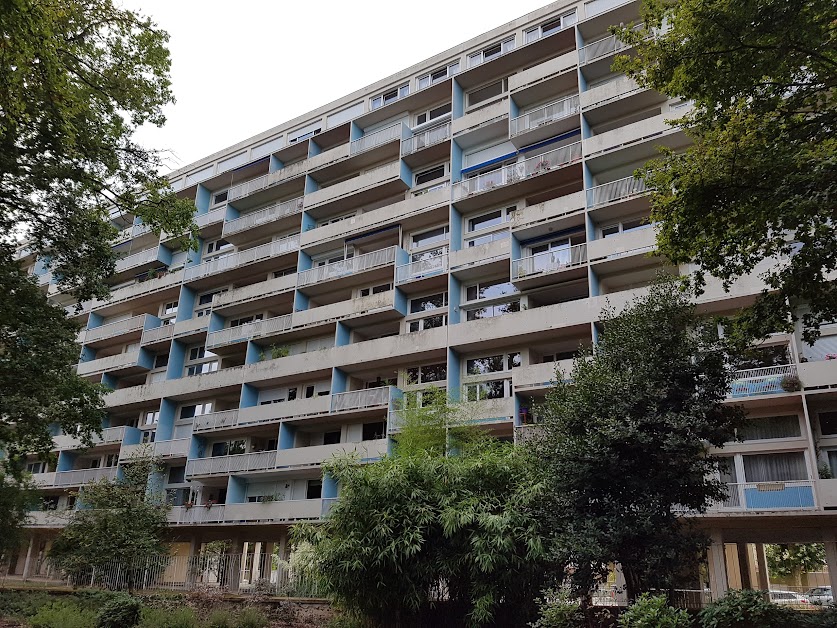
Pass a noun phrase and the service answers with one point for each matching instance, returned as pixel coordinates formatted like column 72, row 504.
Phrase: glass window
column 490, row 219
column 432, row 114
column 489, row 290
column 374, row 431
column 490, row 311
column 430, row 175
column 492, row 51
column 314, row 490
column 486, row 93
column 390, row 96
column 495, row 389
column 427, row 373
column 429, row 322
column 177, row 475
column 771, row 427
column 784, row 467
column 331, row 438
column 430, row 302
column 432, row 236
column 220, row 197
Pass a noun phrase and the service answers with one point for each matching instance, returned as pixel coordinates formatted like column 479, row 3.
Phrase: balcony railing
column 215, row 420
column 360, row 399
column 248, row 331
column 761, row 381
column 248, row 256
column 157, row 334
column 422, row 268
column 377, row 138
column 779, row 495
column 82, row 476
column 172, row 448
column 346, row 267
column 109, row 363
column 44, row 279
column 513, row 173
column 216, row 215
column 248, row 187
column 549, row 261
column 137, row 259
column 263, row 216
column 603, row 47
column 618, row 190
column 423, row 139
column 552, row 112
column 110, row 330
column 131, row 232
column 258, row 461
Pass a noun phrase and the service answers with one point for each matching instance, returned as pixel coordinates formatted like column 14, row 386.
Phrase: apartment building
column 457, row 225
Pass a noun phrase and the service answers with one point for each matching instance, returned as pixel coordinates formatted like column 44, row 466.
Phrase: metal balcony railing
column 263, row 216
column 549, row 261
column 603, row 47
column 172, row 448
column 547, row 114
column 110, row 330
column 615, row 191
column 109, row 363
column 772, row 495
column 137, row 259
column 248, row 256
column 360, row 399
column 157, row 334
column 82, row 476
column 422, row 268
column 761, row 381
column 351, row 266
column 248, row 187
column 377, row 138
column 216, row 215
column 426, row 138
column 222, row 465
column 248, row 331
column 215, row 420
column 512, row 173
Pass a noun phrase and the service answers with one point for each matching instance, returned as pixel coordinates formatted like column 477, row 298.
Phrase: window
column 430, row 302
column 148, row 437
column 201, row 369
column 193, row 410
column 550, row 27
column 431, row 114
column 391, row 96
column 314, row 490
column 177, row 475
column 489, row 290
column 784, row 467
column 111, row 460
column 331, row 438
column 828, row 423
column 71, row 502
column 486, row 93
column 169, row 308
column 228, row 448
column 309, row 392
column 429, row 237
column 238, row 322
column 494, row 389
column 490, row 311
column 437, row 75
column 771, row 427
column 216, row 246
column 491, row 52
column 161, row 360
column 219, row 197
column 430, row 175
column 374, row 431
column 427, row 373
column 151, row 417
column 200, row 352
column 204, row 306
column 36, row 467
column 494, row 218
column 493, row 363
column 50, row 502
column 384, row 287
column 284, row 272
column 428, row 322
column 625, row 225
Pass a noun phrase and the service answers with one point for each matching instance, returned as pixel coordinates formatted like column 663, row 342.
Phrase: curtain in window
column 771, row 427
column 775, row 467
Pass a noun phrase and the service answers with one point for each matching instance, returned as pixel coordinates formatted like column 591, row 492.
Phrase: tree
column 120, row 519
column 77, row 79
column 760, row 181
column 623, row 444
column 419, row 527
column 16, row 499
column 793, row 561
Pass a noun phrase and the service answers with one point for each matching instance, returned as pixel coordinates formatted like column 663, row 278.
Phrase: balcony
column 539, row 377
column 378, row 138
column 372, row 307
column 261, row 415
column 603, row 48
column 374, row 184
column 242, row 258
column 609, row 92
column 111, row 330
column 619, row 252
column 239, row 463
column 482, row 124
column 83, row 476
column 549, row 263
column 211, row 217
column 137, row 260
column 245, row 295
column 632, row 142
column 157, row 335
column 545, row 122
column 364, row 399
column 761, row 381
column 110, row 436
column 787, row 495
column 130, row 233
column 259, row 512
column 178, row 448
column 130, row 360
column 300, row 457
column 535, row 220
column 248, row 331
column 352, row 266
column 422, row 269
column 425, row 139
column 619, row 190
column 248, row 187
column 549, row 164
column 261, row 217
column 43, row 279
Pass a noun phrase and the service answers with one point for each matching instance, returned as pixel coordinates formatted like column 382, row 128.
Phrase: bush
column 178, row 618
column 555, row 610
column 22, row 603
column 650, row 611
column 122, row 611
column 63, row 615
column 251, row 618
column 221, row 619
column 747, row 609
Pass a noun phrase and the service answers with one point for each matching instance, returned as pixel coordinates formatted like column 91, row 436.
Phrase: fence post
column 92, row 577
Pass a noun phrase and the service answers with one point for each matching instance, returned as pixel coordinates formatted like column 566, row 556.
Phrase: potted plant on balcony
column 209, row 503
column 791, row 383
column 188, row 505
column 279, row 352
column 542, row 166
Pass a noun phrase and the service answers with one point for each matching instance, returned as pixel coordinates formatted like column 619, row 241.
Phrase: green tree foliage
column 421, row 523
column 651, row 611
column 17, row 495
column 793, row 560
column 77, row 79
column 623, row 444
column 119, row 519
column 760, row 181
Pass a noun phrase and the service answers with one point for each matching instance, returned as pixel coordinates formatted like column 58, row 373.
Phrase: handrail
column 263, row 216
column 558, row 110
column 247, row 256
column 377, row 138
column 424, row 139
column 113, row 329
column 422, row 268
column 248, row 331
column 346, row 267
column 359, row 399
column 615, row 191
column 549, row 261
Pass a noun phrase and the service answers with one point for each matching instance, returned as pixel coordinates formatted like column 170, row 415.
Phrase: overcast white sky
column 242, row 67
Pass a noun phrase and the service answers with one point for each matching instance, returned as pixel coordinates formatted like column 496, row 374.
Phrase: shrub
column 746, row 609
column 63, row 615
column 22, row 603
column 653, row 612
column 251, row 618
column 221, row 619
column 122, row 611
column 555, row 610
column 791, row 383
column 177, row 618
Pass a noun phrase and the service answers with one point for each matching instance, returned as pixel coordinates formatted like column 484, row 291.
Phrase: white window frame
column 506, row 358
column 432, row 182
column 478, row 58
column 216, row 194
column 470, row 236
column 434, row 121
column 402, row 91
column 476, row 387
column 536, row 33
column 620, row 226
column 452, row 69
column 433, row 244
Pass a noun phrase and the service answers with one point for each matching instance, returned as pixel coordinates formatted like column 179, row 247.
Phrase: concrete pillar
column 193, row 561
column 744, row 566
column 27, row 566
column 283, row 545
column 831, row 561
column 233, row 575
column 761, row 558
column 267, row 560
column 717, row 566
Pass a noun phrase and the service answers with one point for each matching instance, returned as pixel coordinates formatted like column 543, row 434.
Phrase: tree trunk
column 633, row 582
